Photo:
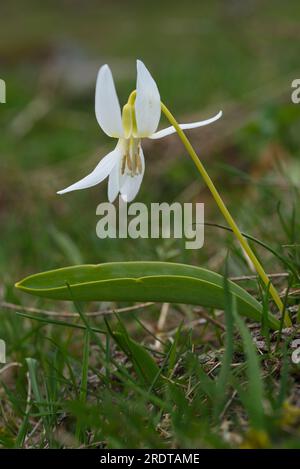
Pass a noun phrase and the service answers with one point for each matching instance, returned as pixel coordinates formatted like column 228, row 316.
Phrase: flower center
column 131, row 161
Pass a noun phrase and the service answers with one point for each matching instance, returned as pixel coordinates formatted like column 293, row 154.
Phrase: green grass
column 117, row 381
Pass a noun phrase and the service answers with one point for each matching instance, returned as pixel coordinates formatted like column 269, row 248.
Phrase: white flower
column 125, row 165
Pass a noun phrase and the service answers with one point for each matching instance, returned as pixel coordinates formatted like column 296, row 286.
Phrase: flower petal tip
column 140, row 65
column 105, row 66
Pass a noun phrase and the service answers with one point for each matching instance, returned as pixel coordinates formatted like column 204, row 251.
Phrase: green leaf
column 142, row 281
column 253, row 396
column 145, row 366
column 225, row 372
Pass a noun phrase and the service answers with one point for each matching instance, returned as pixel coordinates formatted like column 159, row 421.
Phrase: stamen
column 131, row 162
column 138, row 163
column 128, row 159
column 123, row 164
column 134, row 163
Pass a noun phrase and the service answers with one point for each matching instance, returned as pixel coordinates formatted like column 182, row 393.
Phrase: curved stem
column 243, row 242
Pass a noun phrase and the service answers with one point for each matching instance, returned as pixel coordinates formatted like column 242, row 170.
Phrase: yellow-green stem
column 259, row 268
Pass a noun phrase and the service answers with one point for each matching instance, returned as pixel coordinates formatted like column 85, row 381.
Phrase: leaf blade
column 142, row 281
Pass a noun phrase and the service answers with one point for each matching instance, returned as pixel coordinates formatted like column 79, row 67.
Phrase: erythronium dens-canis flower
column 125, row 165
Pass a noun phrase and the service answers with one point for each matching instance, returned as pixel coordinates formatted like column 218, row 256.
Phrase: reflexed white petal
column 101, row 171
column 171, row 130
column 114, row 182
column 107, row 106
column 129, row 186
column 147, row 103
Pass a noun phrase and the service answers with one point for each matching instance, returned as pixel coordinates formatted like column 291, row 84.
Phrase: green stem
column 243, row 242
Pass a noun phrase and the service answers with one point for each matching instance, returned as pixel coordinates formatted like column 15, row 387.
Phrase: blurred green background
column 240, row 57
